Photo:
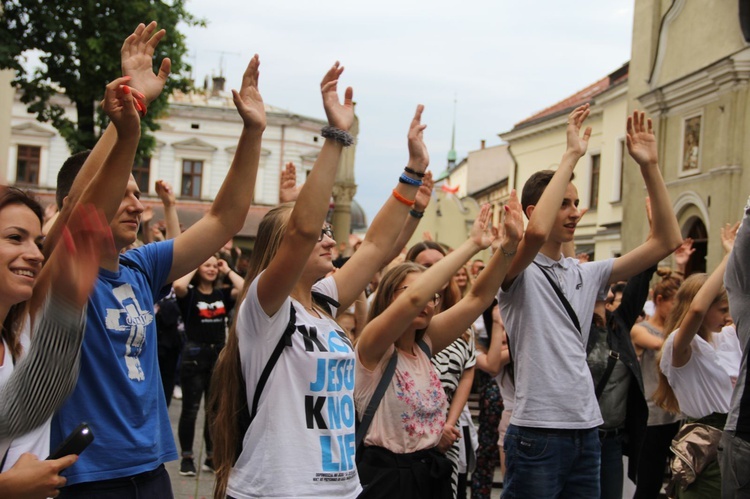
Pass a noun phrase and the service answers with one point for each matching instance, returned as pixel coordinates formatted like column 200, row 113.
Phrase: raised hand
column 119, row 105
column 86, row 240
column 576, row 144
column 288, row 188
column 339, row 115
column 481, row 231
column 223, row 266
column 424, row 193
column 165, row 192
column 682, row 254
column 419, row 158
column 137, row 55
column 248, row 101
column 728, row 234
column 512, row 223
column 641, row 140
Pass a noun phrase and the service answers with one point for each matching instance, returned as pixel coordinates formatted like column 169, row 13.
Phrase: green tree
column 79, row 42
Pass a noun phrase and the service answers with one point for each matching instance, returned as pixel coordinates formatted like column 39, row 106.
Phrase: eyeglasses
column 435, row 299
column 327, row 231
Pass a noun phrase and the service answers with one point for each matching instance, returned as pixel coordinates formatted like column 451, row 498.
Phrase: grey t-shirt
column 737, row 282
column 650, row 372
column 553, row 381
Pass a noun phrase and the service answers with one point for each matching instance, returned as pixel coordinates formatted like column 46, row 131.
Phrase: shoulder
column 149, row 255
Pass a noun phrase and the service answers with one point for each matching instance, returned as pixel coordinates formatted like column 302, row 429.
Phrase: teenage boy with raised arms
column 552, row 445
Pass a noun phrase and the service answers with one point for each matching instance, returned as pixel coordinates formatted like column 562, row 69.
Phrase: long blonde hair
column 664, row 396
column 228, row 397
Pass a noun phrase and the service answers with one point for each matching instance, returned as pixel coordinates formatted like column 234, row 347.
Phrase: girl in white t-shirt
column 300, row 442
column 700, row 360
column 410, row 418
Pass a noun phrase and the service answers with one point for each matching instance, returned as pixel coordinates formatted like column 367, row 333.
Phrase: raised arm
column 229, row 209
column 172, row 221
column 47, row 374
column 352, row 278
column 382, row 331
column 543, row 216
column 702, row 301
column 309, row 213
column 137, row 55
column 665, row 230
column 237, row 280
column 497, row 355
column 447, row 326
column 421, row 201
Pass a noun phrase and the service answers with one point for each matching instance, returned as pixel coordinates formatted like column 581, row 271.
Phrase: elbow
column 535, row 236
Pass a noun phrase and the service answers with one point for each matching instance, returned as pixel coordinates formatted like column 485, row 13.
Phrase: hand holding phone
column 75, row 443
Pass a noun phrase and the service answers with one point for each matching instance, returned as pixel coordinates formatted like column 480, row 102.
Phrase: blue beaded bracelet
column 404, row 179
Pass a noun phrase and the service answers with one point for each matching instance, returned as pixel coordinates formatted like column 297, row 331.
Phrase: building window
column 141, row 172
column 27, row 164
column 596, row 160
column 192, row 174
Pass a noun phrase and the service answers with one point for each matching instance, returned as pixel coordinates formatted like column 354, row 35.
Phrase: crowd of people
column 352, row 380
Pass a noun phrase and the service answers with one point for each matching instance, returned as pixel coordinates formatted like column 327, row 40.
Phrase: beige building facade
column 690, row 70
column 195, row 148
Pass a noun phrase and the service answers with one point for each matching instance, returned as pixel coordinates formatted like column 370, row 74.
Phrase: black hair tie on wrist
column 414, row 172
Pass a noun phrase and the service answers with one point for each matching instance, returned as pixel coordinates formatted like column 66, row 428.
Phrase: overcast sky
column 502, row 60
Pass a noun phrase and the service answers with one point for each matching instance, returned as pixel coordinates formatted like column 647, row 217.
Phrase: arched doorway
column 696, row 229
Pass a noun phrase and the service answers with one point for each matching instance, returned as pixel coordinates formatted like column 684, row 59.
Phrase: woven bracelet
column 341, row 136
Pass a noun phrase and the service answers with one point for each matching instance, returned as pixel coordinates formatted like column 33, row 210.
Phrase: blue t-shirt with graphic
column 119, row 392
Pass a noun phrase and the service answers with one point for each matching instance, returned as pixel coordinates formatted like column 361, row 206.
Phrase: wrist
column 417, row 166
column 508, row 248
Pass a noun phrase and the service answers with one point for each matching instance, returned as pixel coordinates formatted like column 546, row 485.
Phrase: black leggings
column 198, row 361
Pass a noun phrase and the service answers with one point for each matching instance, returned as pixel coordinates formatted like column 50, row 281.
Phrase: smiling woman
column 20, row 259
column 34, row 381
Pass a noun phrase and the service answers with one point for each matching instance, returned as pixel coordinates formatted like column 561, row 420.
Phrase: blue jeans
column 551, row 463
column 154, row 484
column 611, row 472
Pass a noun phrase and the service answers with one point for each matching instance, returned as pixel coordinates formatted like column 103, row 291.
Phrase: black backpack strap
column 377, row 396
column 612, row 359
column 284, row 341
column 246, row 415
column 425, row 347
column 561, row 296
column 325, row 302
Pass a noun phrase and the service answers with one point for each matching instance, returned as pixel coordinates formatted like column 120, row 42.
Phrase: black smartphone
column 76, row 442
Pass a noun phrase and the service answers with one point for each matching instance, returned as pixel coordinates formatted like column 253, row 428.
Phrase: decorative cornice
column 194, row 144
column 32, row 129
column 700, row 87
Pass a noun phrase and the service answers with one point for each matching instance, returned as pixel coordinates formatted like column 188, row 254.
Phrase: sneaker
column 177, row 393
column 187, row 467
column 208, row 465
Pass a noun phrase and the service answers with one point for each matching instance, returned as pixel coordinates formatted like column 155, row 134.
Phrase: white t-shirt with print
column 302, row 440
column 705, row 383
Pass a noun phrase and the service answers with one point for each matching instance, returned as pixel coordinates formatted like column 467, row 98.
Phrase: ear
column 529, row 210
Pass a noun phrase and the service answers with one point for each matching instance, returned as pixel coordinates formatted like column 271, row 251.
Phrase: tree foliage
column 79, row 44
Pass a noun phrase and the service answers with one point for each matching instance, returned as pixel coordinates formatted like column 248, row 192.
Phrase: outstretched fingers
column 251, row 74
